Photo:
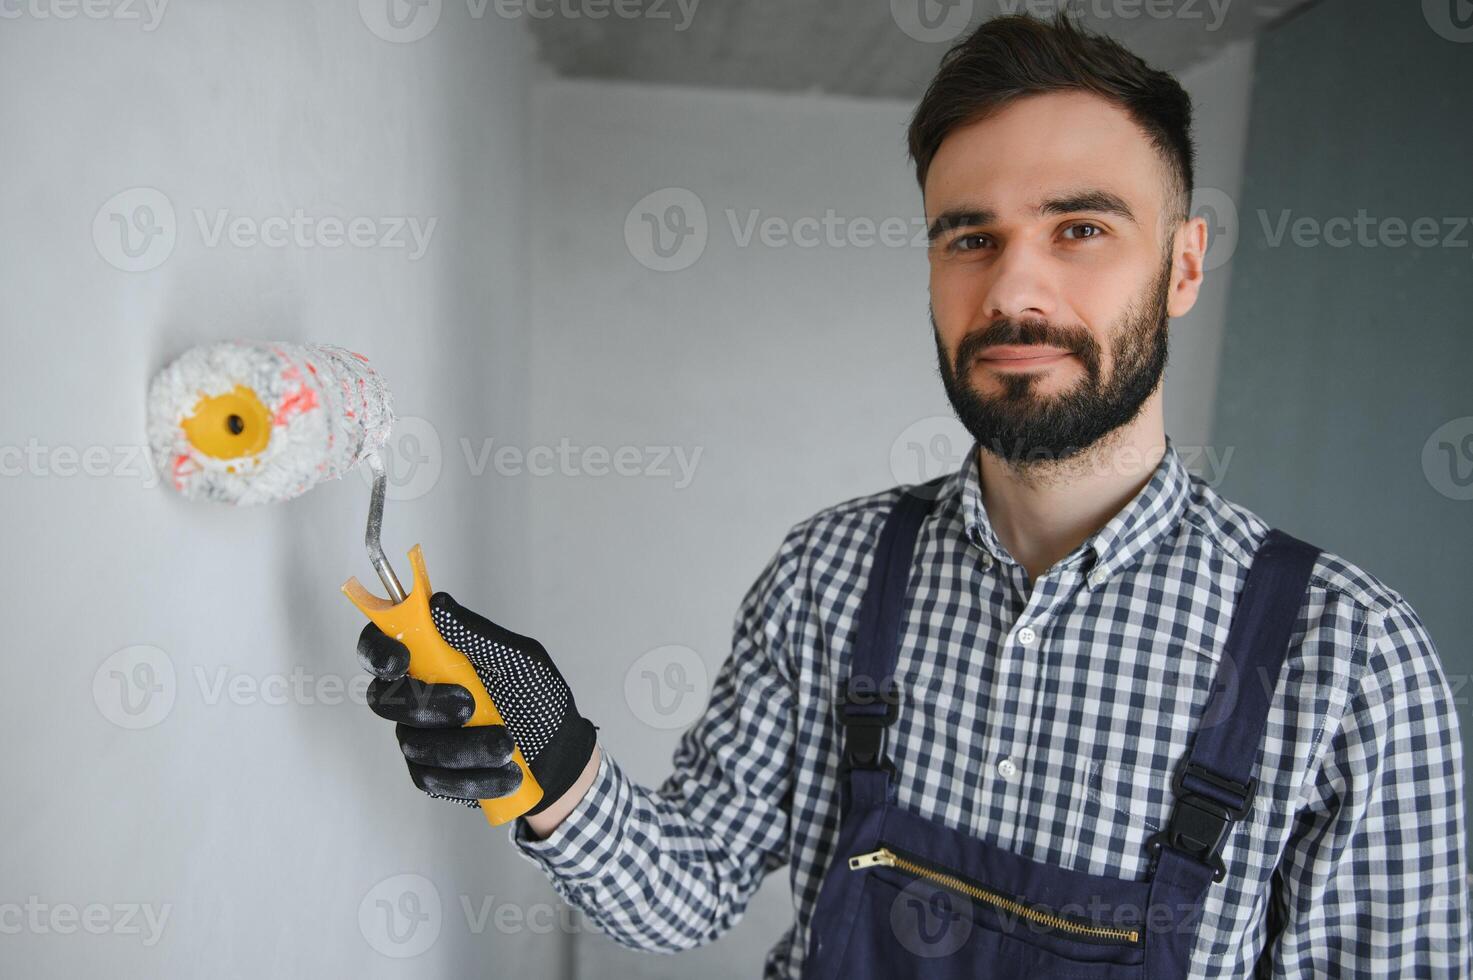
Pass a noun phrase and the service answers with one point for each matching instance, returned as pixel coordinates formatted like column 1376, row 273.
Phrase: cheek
column 956, row 286
column 956, row 301
column 1104, row 291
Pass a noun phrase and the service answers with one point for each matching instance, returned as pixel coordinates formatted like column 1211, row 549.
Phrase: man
column 1066, row 712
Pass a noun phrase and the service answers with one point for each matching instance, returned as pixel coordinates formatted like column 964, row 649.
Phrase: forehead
column 1039, row 145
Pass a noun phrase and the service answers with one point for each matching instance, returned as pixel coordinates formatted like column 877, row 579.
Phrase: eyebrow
column 1095, row 201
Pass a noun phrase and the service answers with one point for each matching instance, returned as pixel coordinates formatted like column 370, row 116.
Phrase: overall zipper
column 888, row 858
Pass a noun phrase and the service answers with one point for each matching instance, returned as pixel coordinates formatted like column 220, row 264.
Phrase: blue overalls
column 909, row 897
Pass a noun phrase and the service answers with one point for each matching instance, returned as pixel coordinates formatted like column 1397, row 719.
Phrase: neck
column 1042, row 510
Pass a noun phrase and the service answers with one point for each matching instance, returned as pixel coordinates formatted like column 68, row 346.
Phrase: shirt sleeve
column 672, row 868
column 1373, row 881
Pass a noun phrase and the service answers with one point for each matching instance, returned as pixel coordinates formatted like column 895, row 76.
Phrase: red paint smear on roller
column 290, row 372
column 299, row 402
column 180, row 461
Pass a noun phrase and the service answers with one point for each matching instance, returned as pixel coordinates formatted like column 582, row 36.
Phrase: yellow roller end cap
column 229, row 426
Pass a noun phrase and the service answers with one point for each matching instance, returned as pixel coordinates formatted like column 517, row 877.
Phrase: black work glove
column 449, row 761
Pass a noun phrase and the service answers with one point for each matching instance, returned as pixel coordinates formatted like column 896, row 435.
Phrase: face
column 1054, row 271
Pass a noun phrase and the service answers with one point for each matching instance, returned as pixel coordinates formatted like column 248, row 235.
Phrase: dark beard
column 1021, row 427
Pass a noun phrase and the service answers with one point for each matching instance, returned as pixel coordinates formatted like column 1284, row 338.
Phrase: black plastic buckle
column 1231, row 786
column 864, row 731
column 1199, row 824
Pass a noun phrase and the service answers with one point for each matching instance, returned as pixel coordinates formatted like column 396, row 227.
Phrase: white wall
column 262, row 827
column 798, row 373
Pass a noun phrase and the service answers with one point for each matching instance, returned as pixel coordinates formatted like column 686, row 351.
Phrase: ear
column 1188, row 253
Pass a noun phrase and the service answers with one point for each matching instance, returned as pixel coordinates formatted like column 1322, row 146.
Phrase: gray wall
column 1346, row 394
column 802, row 375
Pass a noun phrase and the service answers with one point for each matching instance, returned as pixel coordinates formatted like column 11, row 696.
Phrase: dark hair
column 1009, row 57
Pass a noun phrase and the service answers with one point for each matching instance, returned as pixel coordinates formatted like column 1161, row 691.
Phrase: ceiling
column 865, row 48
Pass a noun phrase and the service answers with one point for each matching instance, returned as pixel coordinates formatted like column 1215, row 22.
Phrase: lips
column 1021, row 353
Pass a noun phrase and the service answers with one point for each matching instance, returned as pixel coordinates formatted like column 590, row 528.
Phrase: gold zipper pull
column 883, row 856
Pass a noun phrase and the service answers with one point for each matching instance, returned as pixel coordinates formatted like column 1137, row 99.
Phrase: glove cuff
column 560, row 764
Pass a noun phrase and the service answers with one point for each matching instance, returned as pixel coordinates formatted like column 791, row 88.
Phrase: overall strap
column 1213, row 786
column 868, row 700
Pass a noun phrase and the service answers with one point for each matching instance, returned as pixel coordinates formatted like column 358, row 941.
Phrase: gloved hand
column 449, row 761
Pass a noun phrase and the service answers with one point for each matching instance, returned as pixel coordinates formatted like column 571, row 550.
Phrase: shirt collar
column 1143, row 521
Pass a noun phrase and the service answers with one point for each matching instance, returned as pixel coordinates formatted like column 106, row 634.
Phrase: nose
column 1020, row 285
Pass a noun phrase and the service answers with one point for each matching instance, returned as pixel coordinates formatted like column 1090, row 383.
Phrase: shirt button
column 1026, row 636
column 1097, row 577
column 1007, row 768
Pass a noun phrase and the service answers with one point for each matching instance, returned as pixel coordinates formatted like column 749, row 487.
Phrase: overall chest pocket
column 922, row 919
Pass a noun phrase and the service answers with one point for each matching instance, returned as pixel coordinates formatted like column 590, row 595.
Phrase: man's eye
column 969, row 243
column 1083, row 225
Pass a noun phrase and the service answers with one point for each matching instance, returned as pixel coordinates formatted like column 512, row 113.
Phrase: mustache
column 1018, row 332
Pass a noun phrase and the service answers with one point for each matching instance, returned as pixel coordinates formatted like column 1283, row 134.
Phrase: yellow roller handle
column 434, row 661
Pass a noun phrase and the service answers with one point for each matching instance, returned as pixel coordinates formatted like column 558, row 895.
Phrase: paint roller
column 249, row 423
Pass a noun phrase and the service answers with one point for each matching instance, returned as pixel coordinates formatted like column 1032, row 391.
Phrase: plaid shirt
column 1047, row 718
